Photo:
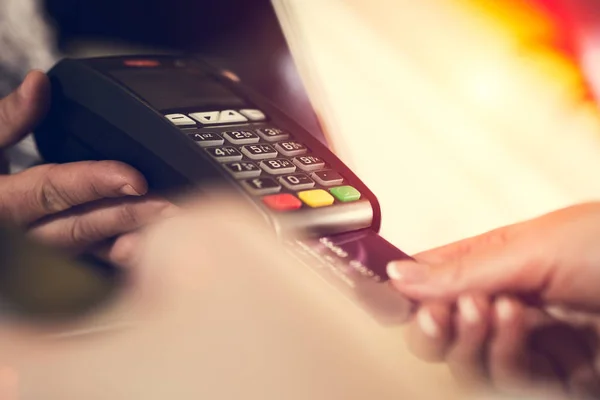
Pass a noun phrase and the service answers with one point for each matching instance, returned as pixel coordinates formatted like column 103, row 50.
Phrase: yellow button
column 316, row 198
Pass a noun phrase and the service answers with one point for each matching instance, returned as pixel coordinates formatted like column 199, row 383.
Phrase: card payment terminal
column 185, row 125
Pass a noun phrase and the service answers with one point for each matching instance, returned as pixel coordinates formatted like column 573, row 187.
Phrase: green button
column 345, row 194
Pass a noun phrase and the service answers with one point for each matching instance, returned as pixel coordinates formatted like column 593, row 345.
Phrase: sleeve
column 25, row 46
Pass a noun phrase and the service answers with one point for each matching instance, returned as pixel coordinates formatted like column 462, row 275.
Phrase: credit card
column 355, row 263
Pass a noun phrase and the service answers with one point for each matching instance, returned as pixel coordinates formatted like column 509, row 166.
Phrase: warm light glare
column 462, row 115
column 519, row 18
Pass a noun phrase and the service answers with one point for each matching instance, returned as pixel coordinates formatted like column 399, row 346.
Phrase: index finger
column 462, row 248
column 50, row 189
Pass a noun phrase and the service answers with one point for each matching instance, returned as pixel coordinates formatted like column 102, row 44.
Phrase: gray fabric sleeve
column 24, row 46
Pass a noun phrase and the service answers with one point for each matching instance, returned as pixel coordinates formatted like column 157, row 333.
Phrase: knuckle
column 463, row 249
column 458, row 271
column 51, row 197
column 6, row 119
column 4, row 114
column 79, row 233
column 128, row 215
column 496, row 238
column 6, row 211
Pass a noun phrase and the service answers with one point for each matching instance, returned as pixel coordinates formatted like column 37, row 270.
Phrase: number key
column 309, row 163
column 328, row 178
column 241, row 137
column 262, row 186
column 225, row 154
column 291, row 149
column 259, row 152
column 243, row 169
column 278, row 166
column 272, row 134
column 297, row 182
column 206, row 139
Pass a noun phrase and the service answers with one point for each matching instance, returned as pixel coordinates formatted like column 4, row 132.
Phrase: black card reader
column 185, row 125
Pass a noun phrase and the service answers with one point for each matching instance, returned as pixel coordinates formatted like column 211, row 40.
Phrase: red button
column 142, row 63
column 282, row 202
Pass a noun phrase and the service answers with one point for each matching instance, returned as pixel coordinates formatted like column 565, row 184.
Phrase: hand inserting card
column 356, row 264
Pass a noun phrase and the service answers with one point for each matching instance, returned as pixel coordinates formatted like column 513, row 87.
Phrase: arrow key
column 231, row 116
column 207, row 118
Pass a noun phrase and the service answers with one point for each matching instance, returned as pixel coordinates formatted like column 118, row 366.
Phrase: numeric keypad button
column 225, row 154
column 282, row 202
column 297, row 182
column 316, row 198
column 328, row 178
column 254, row 115
column 262, row 186
column 231, row 116
column 243, row 170
column 259, row 152
column 272, row 134
column 241, row 137
column 346, row 194
column 207, row 117
column 278, row 166
column 309, row 163
column 180, row 120
column 291, row 149
column 206, row 139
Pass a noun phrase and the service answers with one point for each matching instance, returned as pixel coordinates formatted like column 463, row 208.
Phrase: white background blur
column 460, row 118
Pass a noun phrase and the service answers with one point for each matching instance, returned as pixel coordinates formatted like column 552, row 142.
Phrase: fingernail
column 407, row 272
column 130, row 191
column 504, row 309
column 468, row 309
column 427, row 323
